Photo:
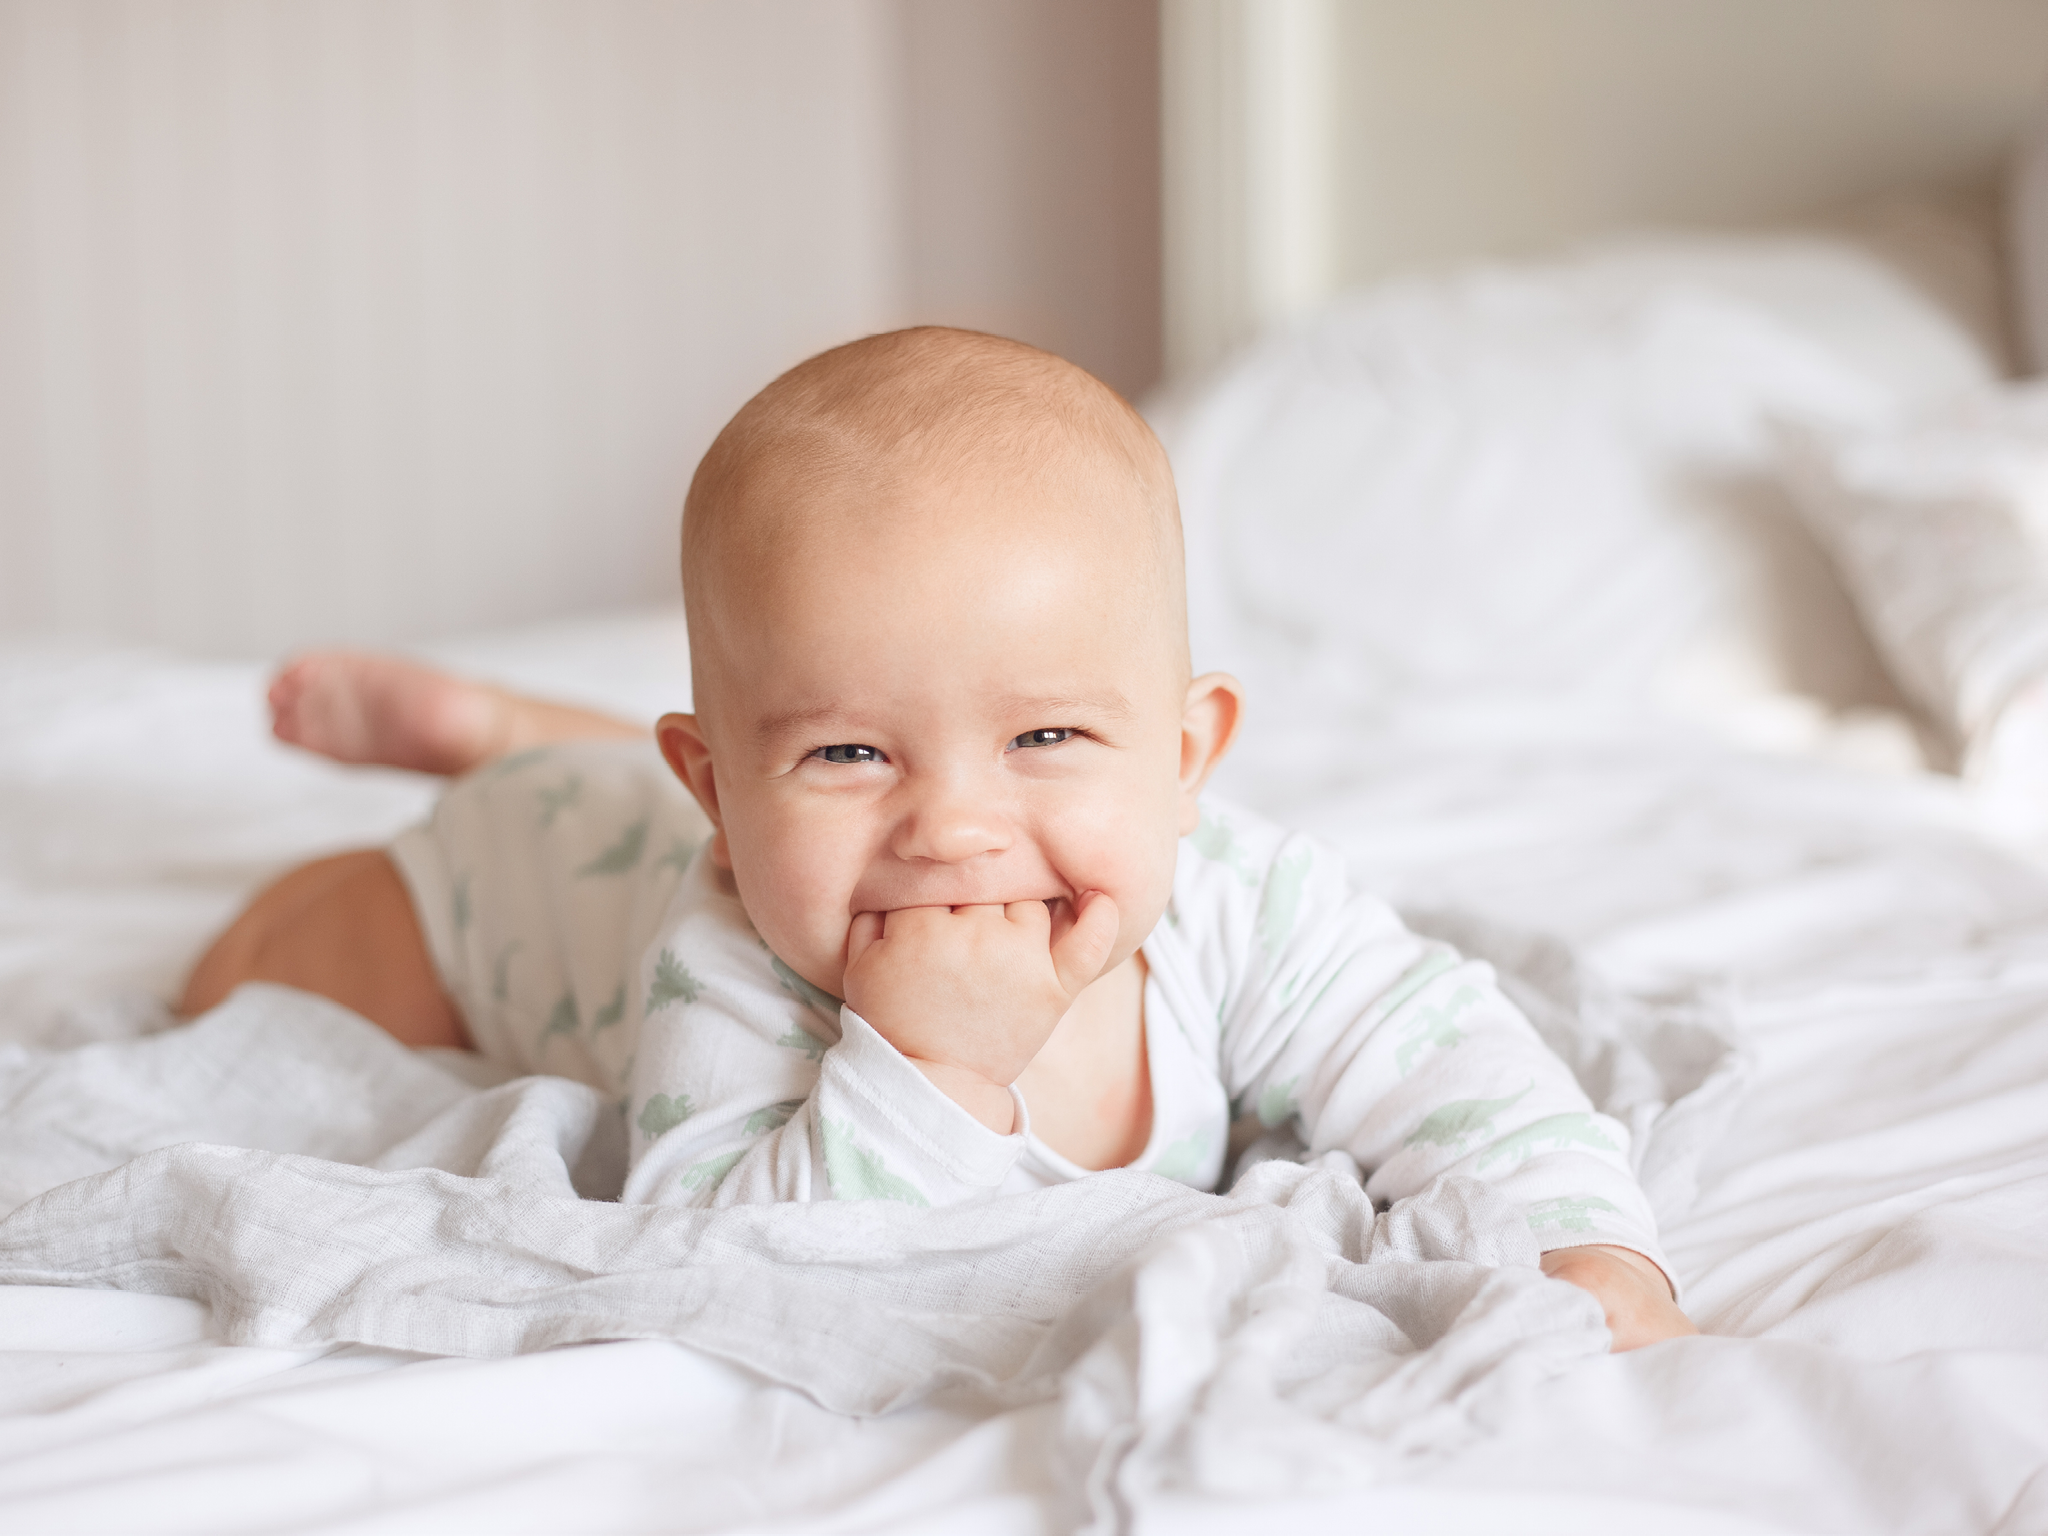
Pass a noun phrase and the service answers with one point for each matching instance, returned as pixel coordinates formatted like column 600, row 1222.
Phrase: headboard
column 1315, row 144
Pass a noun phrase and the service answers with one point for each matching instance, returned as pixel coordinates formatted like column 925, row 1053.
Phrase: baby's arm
column 1542, row 1143
column 751, row 1086
column 1389, row 1047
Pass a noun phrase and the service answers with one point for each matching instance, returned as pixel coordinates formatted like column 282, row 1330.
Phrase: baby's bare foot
column 357, row 708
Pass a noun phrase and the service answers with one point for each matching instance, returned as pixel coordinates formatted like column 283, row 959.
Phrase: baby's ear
column 1208, row 726
column 682, row 743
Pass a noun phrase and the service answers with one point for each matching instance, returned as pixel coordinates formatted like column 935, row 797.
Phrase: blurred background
column 376, row 320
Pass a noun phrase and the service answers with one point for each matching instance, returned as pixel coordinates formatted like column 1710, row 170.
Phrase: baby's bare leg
column 342, row 927
column 361, row 708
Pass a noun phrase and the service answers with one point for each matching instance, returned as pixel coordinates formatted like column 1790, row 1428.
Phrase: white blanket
column 1278, row 1340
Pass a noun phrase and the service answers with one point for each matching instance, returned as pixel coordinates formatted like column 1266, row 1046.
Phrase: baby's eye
column 849, row 754
column 1048, row 738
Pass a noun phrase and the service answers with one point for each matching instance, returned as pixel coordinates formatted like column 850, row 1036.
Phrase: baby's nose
column 948, row 825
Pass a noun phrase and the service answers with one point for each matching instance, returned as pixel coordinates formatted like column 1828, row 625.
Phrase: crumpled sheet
column 314, row 1184
column 1283, row 1338
column 1280, row 1338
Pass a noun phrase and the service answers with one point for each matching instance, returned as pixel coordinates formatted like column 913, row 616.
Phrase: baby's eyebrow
column 1053, row 708
column 789, row 722
column 1050, row 708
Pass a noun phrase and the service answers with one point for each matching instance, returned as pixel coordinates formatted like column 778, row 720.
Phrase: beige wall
column 1498, row 125
column 367, row 319
column 1032, row 178
column 1317, row 144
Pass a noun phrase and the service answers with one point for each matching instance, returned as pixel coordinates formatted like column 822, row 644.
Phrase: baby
column 963, row 923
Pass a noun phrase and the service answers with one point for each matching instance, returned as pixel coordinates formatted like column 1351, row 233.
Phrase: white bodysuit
column 575, row 928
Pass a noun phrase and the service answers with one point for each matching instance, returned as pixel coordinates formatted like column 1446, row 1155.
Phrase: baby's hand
column 970, row 994
column 1630, row 1289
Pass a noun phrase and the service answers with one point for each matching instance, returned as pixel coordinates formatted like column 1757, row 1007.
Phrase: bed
column 1506, row 556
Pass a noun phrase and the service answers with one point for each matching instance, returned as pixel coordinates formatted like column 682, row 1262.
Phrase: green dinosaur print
column 858, row 1173
column 622, row 855
column 1454, row 1123
column 1214, row 840
column 711, row 1170
column 1568, row 1213
column 611, row 1012
column 1277, row 1103
column 563, row 1021
column 1384, row 1006
column 816, row 998
column 797, row 1038
column 461, row 912
column 673, row 983
column 1425, row 970
column 1182, row 1159
column 1282, row 900
column 1330, row 981
column 1552, row 1133
column 680, row 851
column 501, row 972
column 773, row 1118
column 662, row 1113
column 1433, row 1026
column 558, row 799
column 517, row 761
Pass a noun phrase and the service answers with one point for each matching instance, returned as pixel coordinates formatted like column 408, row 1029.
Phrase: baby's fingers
column 1033, row 918
column 866, row 928
column 1080, row 954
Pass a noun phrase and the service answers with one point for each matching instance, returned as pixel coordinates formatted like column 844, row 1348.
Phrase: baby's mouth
column 888, row 902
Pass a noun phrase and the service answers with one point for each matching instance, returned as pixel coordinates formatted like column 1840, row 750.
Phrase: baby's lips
column 905, row 901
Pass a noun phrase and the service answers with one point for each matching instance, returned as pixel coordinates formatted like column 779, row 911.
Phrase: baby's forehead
column 812, row 494
column 974, row 590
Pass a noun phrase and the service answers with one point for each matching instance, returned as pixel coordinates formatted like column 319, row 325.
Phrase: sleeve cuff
column 897, row 1105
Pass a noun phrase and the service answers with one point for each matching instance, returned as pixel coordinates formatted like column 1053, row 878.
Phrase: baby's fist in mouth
column 970, row 994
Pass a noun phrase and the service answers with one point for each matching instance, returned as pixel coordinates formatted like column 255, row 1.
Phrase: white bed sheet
column 1867, row 1246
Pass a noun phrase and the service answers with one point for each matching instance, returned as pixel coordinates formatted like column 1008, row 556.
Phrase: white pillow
column 1534, row 479
column 2027, row 206
column 1939, row 528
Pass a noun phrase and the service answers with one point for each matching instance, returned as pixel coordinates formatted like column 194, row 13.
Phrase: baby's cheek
column 1138, row 876
column 799, row 913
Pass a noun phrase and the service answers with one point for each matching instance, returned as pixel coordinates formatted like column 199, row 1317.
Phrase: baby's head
column 938, row 637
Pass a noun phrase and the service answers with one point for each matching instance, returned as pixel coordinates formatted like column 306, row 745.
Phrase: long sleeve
column 1392, row 1048
column 749, row 1085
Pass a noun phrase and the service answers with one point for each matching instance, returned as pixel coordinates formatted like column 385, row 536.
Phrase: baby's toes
column 316, row 703
column 286, row 696
column 288, row 684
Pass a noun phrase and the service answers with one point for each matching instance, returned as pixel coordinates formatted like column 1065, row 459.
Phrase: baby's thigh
column 539, row 882
column 343, row 927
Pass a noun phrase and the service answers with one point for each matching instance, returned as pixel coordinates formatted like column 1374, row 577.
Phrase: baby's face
column 964, row 701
